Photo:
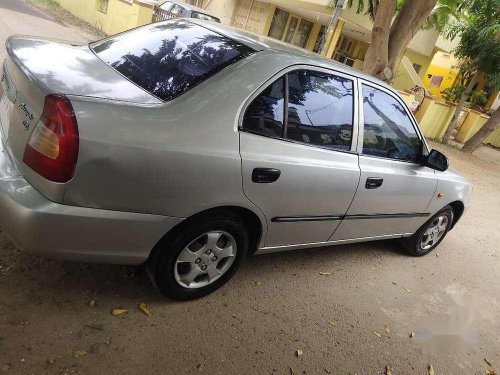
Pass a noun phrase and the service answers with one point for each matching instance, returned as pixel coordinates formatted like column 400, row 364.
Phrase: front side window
column 388, row 130
column 169, row 58
column 319, row 110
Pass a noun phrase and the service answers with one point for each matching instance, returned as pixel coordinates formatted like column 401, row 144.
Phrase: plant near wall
column 478, row 98
column 479, row 48
column 453, row 93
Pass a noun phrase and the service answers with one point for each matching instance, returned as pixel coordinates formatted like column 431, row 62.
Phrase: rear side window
column 320, row 109
column 169, row 58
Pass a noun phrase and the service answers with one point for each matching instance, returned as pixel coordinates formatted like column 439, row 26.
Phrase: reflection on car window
column 265, row 114
column 320, row 109
column 388, row 130
column 169, row 58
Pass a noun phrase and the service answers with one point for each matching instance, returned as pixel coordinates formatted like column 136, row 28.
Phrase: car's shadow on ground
column 35, row 277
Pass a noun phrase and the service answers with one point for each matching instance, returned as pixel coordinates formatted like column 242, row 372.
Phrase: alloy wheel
column 434, row 232
column 205, row 259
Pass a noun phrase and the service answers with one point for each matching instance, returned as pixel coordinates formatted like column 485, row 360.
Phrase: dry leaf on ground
column 412, row 334
column 388, row 370
column 430, row 370
column 144, row 308
column 79, row 353
column 299, row 352
column 116, row 312
column 325, row 273
column 491, row 372
column 387, row 329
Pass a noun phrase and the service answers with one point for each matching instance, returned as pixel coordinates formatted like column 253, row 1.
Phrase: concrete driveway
column 55, row 316
column 18, row 17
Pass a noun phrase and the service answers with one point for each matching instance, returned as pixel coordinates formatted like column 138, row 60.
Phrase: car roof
column 260, row 43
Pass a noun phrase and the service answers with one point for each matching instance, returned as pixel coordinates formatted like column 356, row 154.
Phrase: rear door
column 298, row 137
column 394, row 188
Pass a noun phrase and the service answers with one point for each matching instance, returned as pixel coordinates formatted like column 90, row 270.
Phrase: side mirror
column 436, row 160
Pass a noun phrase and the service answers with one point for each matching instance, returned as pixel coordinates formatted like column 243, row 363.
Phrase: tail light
column 52, row 149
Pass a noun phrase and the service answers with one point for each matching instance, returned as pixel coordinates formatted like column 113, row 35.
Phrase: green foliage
column 51, row 4
column 453, row 94
column 446, row 13
column 479, row 43
column 478, row 98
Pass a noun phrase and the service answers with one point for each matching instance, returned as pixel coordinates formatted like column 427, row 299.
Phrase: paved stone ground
column 276, row 304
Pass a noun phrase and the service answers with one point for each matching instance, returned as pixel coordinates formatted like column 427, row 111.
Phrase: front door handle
column 373, row 182
column 265, row 175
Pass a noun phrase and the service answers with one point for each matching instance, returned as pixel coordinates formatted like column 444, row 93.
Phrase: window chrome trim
column 394, row 95
column 281, row 139
column 291, row 68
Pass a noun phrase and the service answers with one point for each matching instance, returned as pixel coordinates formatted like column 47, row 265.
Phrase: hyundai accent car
column 187, row 145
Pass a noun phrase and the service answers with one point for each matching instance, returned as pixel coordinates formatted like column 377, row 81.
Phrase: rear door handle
column 373, row 182
column 265, row 175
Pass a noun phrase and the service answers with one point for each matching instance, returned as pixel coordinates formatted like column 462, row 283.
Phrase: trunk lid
column 36, row 67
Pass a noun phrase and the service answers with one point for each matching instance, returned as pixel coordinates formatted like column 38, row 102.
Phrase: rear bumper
column 42, row 227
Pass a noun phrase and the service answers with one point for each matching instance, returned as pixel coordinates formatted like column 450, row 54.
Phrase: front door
column 394, row 189
column 297, row 144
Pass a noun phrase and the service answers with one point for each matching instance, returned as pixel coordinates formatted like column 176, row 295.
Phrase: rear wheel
column 430, row 235
column 200, row 258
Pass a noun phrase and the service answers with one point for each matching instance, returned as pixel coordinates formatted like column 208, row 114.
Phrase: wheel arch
column 458, row 208
column 252, row 221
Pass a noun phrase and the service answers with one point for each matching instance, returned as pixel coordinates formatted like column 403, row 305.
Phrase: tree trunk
column 408, row 22
column 377, row 55
column 458, row 110
column 489, row 127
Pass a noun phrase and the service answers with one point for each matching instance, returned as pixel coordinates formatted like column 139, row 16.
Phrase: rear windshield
column 169, row 58
column 203, row 16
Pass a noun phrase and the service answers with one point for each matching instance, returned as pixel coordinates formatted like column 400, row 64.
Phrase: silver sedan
column 187, row 145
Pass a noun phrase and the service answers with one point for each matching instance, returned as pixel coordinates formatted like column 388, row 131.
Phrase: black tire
column 162, row 262
column 413, row 244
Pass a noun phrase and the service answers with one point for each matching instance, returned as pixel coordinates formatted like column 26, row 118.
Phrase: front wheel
column 430, row 235
column 201, row 258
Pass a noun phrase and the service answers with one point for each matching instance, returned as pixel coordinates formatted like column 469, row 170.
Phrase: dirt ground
column 55, row 316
